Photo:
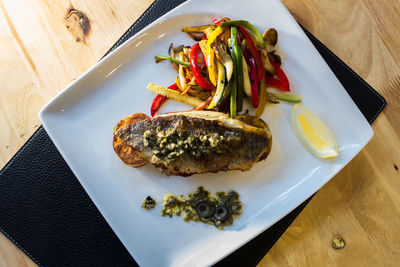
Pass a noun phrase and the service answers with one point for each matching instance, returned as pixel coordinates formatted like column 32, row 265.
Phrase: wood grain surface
column 42, row 50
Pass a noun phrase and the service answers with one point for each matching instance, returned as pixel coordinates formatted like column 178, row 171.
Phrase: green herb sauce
column 171, row 143
column 219, row 210
column 148, row 203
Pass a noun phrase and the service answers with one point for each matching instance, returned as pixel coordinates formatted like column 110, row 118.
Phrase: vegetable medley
column 230, row 60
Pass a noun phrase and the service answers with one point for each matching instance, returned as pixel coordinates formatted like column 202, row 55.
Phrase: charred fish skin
column 198, row 142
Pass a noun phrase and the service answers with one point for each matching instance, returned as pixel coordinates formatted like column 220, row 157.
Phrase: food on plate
column 313, row 132
column 148, row 203
column 126, row 153
column 230, row 61
column 219, row 210
column 270, row 37
column 186, row 143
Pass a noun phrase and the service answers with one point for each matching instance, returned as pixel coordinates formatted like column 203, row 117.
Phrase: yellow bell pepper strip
column 255, row 53
column 236, row 53
column 201, row 28
column 213, row 36
column 208, row 53
column 203, row 48
column 161, row 58
column 159, row 100
column 178, row 83
column 220, row 87
column 212, row 71
column 189, row 100
column 194, row 52
column 249, row 26
column 225, row 59
column 207, row 32
column 262, row 98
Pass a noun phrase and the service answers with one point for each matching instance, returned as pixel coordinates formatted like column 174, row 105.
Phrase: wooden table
column 40, row 56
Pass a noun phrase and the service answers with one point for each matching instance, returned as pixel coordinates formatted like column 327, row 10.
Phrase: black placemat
column 46, row 212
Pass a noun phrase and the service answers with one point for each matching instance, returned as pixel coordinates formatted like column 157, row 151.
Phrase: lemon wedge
column 313, row 132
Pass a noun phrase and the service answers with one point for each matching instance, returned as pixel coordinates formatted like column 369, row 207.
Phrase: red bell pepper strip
column 159, row 100
column 253, row 81
column 205, row 61
column 271, row 81
column 281, row 76
column 254, row 52
column 217, row 22
column 194, row 53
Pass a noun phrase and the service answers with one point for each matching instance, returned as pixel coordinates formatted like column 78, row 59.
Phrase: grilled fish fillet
column 185, row 143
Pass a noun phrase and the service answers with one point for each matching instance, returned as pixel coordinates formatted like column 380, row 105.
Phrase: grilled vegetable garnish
column 185, row 143
column 215, row 69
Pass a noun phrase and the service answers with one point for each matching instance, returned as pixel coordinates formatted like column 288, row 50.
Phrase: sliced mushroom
column 225, row 59
column 267, row 64
column 270, row 36
column 197, row 36
column 199, row 92
column 275, row 58
column 178, row 49
column 186, row 50
column 171, row 53
column 181, row 71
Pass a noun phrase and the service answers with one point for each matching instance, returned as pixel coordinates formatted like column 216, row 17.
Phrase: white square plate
column 81, row 119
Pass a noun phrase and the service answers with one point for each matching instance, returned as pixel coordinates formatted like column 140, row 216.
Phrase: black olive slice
column 221, row 213
column 203, row 209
